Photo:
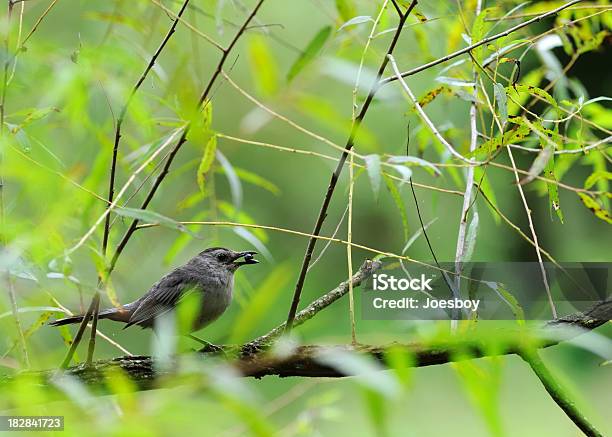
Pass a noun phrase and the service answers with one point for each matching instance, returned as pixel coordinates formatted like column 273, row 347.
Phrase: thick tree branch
column 305, row 361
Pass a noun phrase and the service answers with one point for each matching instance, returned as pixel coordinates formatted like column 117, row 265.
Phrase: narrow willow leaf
column 454, row 82
column 208, row 157
column 480, row 177
column 183, row 240
column 373, row 166
column 248, row 236
column 261, row 303
column 233, row 214
column 377, row 410
column 595, row 208
column 232, row 178
column 255, row 179
column 553, row 189
column 356, row 20
column 147, row 216
column 415, row 161
column 367, row 371
column 509, row 299
column 404, row 172
column 39, row 323
column 478, row 32
column 539, row 164
column 470, row 239
column 32, row 115
column 346, row 9
column 533, row 78
column 514, row 91
column 597, row 176
column 310, row 53
column 431, row 95
column 482, row 382
column 397, row 198
column 502, row 102
column 263, row 65
column 111, row 293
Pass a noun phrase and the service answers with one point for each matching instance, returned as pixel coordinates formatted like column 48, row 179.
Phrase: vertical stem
column 349, row 251
column 3, row 236
column 349, row 236
column 533, row 234
column 469, row 183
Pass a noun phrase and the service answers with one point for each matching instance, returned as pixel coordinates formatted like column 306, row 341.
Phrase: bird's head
column 228, row 258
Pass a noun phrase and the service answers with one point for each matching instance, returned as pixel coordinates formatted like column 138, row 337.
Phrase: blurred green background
column 65, row 88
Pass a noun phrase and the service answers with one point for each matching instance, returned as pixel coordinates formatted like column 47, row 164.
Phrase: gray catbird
column 210, row 273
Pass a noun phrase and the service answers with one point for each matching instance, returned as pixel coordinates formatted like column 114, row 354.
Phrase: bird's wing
column 160, row 299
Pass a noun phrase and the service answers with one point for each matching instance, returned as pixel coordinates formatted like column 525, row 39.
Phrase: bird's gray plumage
column 210, row 274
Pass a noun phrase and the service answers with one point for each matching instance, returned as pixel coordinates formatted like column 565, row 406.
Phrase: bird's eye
column 221, row 257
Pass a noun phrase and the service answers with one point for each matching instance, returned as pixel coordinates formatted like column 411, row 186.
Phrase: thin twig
column 95, row 302
column 427, row 120
column 461, row 248
column 35, row 27
column 525, row 205
column 364, row 272
column 336, row 174
column 202, row 101
column 127, row 184
column 113, row 169
column 479, row 43
column 178, row 17
column 3, row 237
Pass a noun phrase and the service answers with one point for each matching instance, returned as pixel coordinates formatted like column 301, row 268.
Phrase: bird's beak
column 246, row 257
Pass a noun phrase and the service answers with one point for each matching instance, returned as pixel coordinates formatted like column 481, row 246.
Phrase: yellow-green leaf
column 208, row 157
column 310, row 53
column 595, row 208
column 263, row 65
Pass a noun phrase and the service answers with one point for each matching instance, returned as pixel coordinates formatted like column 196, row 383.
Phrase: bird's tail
column 120, row 315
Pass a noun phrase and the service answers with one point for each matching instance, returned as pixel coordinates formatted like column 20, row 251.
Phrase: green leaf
column 533, row 78
column 538, row 165
column 553, row 189
column 415, row 161
column 310, row 53
column 235, row 215
column 208, row 157
column 263, row 66
column 470, row 239
column 397, row 198
column 373, row 167
column 502, row 102
column 482, row 381
column 183, row 240
column 509, row 299
column 32, row 115
column 356, row 20
column 595, row 208
column 597, row 176
column 232, row 179
column 250, row 322
column 147, row 216
column 478, row 32
column 255, row 179
column 346, row 9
